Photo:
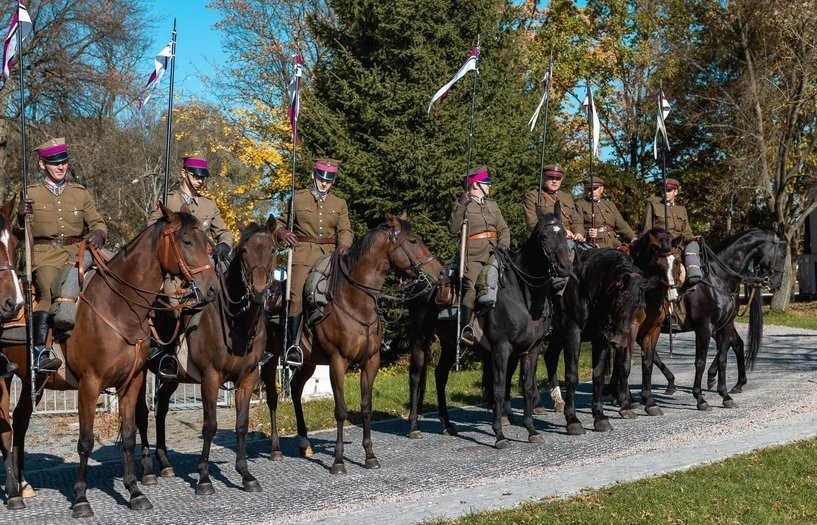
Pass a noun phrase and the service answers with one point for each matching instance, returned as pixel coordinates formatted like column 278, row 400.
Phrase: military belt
column 483, row 235
column 57, row 241
column 606, row 228
column 317, row 240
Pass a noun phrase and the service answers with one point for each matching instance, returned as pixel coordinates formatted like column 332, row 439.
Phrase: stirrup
column 46, row 362
column 467, row 336
column 294, row 356
column 168, row 367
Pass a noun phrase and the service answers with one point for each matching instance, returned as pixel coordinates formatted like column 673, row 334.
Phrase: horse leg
column 601, row 353
column 127, row 412
column 441, row 373
column 337, row 372
column 368, row 373
column 572, row 346
column 14, row 500
column 418, row 372
column 722, row 349
column 88, row 392
column 242, row 421
column 296, row 389
column 740, row 358
column 702, row 337
column 531, row 393
column 210, row 384
column 22, row 418
column 668, row 375
column 621, row 373
column 501, row 354
column 269, row 376
column 552, row 364
column 712, row 371
column 513, row 364
column 648, row 358
column 163, row 395
column 148, row 477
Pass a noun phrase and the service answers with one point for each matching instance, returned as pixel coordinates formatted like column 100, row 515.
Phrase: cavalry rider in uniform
column 487, row 231
column 321, row 225
column 195, row 171
column 677, row 223
column 63, row 214
column 605, row 226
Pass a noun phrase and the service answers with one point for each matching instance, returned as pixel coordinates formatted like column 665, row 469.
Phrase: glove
column 25, row 207
column 464, row 198
column 95, row 238
column 342, row 249
column 221, row 251
column 287, row 237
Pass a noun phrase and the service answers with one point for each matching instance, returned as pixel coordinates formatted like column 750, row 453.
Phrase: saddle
column 316, row 289
column 65, row 290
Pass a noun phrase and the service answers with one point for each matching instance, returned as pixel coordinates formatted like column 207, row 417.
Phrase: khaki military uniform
column 677, row 222
column 571, row 218
column 58, row 224
column 321, row 223
column 202, row 208
column 603, row 215
column 486, row 229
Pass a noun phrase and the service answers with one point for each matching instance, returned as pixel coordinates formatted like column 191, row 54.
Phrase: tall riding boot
column 167, row 364
column 44, row 360
column 467, row 337
column 294, row 356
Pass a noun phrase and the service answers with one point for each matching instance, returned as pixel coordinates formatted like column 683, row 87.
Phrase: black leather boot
column 44, row 360
column 293, row 355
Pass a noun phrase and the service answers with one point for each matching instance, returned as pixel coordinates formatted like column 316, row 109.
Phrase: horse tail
column 755, row 328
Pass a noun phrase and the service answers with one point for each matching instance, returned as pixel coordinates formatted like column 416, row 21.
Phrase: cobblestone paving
column 447, row 476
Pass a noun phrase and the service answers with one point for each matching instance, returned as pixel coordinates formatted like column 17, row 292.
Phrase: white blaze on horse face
column 672, row 293
column 5, row 237
column 556, row 229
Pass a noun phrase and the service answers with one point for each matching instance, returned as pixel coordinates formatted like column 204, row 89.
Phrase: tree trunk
column 782, row 298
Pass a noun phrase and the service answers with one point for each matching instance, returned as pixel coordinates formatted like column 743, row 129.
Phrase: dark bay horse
column 711, row 306
column 226, row 344
column 11, row 298
column 109, row 343
column 351, row 330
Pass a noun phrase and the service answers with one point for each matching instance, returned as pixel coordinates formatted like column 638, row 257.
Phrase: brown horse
column 351, row 331
column 108, row 345
column 11, row 298
column 226, row 345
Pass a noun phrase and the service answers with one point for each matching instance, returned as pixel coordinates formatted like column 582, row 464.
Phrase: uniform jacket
column 571, row 218
column 482, row 217
column 326, row 217
column 615, row 229
column 70, row 214
column 677, row 221
column 205, row 210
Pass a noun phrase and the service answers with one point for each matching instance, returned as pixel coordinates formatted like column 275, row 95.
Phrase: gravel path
column 441, row 476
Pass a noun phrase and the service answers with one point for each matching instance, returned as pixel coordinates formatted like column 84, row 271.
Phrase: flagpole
column 591, row 131
column 664, row 181
column 464, row 228
column 169, row 111
column 545, row 130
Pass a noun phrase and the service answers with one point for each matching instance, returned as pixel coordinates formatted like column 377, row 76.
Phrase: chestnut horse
column 226, row 344
column 351, row 331
column 11, row 298
column 109, row 343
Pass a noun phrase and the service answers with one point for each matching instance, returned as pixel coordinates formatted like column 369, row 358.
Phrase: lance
column 660, row 116
column 464, row 230
column 169, row 111
column 545, row 129
column 591, row 131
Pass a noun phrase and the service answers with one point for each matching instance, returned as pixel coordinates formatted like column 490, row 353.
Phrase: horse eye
column 413, row 241
column 187, row 242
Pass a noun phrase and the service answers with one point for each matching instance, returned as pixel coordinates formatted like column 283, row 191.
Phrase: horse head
column 11, row 298
column 552, row 239
column 658, row 254
column 770, row 260
column 254, row 259
column 185, row 253
column 409, row 254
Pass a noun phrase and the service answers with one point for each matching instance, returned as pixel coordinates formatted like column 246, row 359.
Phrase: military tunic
column 58, row 224
column 484, row 219
column 203, row 209
column 677, row 221
column 571, row 218
column 321, row 223
column 613, row 229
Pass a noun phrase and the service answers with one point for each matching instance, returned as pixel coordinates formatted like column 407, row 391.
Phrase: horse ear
column 271, row 224
column 166, row 213
column 404, row 215
column 557, row 210
column 392, row 220
column 240, row 225
column 8, row 208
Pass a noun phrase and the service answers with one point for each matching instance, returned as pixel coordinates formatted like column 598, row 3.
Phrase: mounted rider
column 602, row 221
column 320, row 226
column 63, row 214
column 487, row 231
column 194, row 173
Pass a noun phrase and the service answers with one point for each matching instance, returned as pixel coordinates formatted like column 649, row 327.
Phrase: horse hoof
column 602, row 425
column 575, row 429
column 635, row 405
column 16, row 503
column 150, row 480
column 28, row 491
column 140, row 503
column 450, row 430
column 252, row 486
column 306, row 452
column 559, row 406
column 415, row 434
column 671, row 389
column 654, row 410
column 536, row 438
column 82, row 510
column 205, row 489
column 502, row 444
column 627, row 413
column 506, row 421
column 276, row 455
column 338, row 468
column 729, row 403
column 703, row 406
column 372, row 463
column 615, row 403
column 167, row 472
column 540, row 410
column 736, row 390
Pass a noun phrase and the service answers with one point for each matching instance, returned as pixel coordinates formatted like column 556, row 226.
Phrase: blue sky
column 198, row 42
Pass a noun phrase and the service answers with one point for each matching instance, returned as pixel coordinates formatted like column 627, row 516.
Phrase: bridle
column 764, row 276
column 416, row 267
column 249, row 297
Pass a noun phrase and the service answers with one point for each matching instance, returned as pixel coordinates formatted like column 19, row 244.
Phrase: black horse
column 711, row 306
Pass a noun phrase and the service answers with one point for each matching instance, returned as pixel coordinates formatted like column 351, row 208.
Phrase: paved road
column 447, row 476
